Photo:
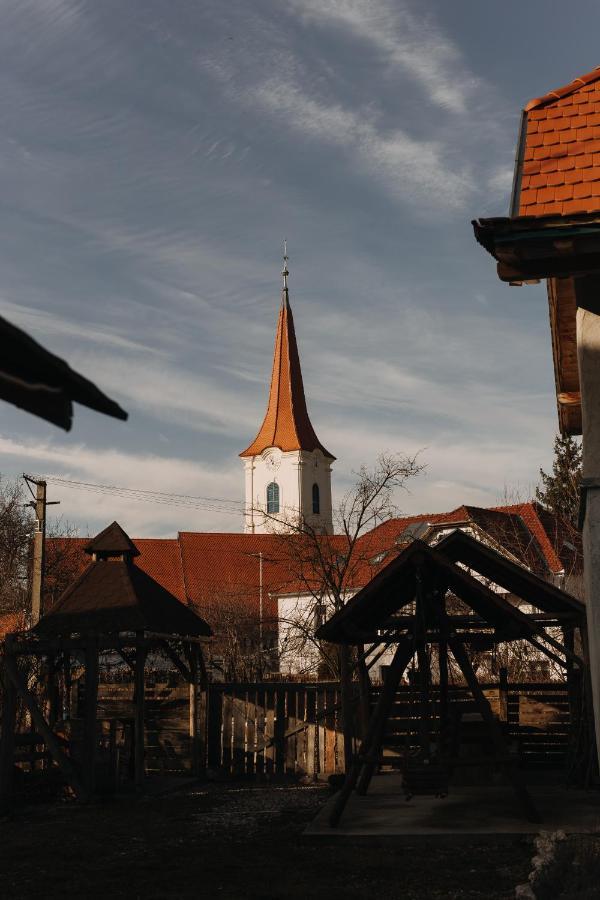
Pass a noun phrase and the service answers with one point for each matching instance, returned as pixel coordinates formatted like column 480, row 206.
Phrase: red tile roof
column 560, row 169
column 201, row 568
column 286, row 424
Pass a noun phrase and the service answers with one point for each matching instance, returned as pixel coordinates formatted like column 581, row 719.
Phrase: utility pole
column 38, row 504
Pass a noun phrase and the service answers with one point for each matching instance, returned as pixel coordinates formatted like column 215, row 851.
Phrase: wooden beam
column 50, row 739
column 347, row 705
column 194, row 707
column 178, row 662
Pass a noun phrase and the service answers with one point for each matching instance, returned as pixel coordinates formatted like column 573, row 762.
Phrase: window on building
column 316, row 500
column 273, row 497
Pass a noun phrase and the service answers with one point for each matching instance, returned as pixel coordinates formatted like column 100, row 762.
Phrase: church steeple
column 286, row 424
column 288, row 470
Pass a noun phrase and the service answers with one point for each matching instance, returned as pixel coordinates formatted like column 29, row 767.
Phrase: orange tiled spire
column 286, row 424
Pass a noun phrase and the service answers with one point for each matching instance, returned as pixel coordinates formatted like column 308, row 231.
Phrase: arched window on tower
column 273, row 497
column 316, row 500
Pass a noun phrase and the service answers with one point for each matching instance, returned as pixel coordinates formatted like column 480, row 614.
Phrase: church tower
column 288, row 470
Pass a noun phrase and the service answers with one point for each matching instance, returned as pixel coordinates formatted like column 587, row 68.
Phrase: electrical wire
column 189, row 501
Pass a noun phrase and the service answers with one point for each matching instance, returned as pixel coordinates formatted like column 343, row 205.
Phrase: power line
column 189, row 501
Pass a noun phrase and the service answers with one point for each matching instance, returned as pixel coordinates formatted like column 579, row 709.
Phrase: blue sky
column 153, row 156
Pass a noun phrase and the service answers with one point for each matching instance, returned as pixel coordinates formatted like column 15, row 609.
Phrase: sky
column 153, row 156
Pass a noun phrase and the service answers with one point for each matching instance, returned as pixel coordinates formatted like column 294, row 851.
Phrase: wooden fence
column 288, row 728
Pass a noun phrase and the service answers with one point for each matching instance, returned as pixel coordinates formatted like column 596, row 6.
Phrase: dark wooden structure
column 36, row 380
column 112, row 608
column 439, row 598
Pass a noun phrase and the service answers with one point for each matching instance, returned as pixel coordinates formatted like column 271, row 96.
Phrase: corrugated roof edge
column 564, row 91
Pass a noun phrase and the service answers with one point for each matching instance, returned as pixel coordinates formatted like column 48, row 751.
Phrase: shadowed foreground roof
column 115, row 596
column 41, row 383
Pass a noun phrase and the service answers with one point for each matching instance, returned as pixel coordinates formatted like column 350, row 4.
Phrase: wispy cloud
column 406, row 40
column 48, row 323
column 143, row 471
column 407, row 168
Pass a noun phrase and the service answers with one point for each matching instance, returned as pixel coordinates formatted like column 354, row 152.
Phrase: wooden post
column 194, row 736
column 347, row 705
column 364, row 694
column 444, row 705
column 7, row 735
column 90, row 737
column 39, row 540
column 503, row 692
column 587, row 293
column 138, row 753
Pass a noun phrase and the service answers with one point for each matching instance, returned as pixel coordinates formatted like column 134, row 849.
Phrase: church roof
column 286, row 424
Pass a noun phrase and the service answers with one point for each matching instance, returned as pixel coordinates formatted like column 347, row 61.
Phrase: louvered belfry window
column 273, row 497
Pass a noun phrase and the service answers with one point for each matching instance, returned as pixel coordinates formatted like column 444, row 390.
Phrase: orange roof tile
column 559, row 170
column 286, row 424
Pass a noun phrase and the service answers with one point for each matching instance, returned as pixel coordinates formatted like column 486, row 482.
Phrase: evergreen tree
column 559, row 491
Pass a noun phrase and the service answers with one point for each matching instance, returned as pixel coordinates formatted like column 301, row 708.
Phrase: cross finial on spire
column 285, row 272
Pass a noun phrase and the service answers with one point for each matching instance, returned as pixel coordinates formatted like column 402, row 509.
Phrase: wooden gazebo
column 439, row 597
column 112, row 607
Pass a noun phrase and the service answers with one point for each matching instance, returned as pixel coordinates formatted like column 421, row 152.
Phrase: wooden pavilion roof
column 112, row 594
column 373, row 608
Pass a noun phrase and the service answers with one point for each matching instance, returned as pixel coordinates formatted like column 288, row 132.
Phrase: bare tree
column 242, row 646
column 326, row 569
column 16, row 532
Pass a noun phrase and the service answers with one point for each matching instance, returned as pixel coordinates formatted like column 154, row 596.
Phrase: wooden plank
column 239, row 733
column 269, row 731
column 280, row 726
column 227, row 733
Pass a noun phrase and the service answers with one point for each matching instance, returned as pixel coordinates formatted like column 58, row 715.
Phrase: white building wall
column 294, row 472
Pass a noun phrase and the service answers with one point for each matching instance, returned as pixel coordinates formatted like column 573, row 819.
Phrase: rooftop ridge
column 565, row 90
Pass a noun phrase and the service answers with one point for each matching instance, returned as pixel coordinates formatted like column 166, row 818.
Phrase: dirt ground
column 234, row 841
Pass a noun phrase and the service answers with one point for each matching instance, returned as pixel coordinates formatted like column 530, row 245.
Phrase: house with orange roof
column 553, row 234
